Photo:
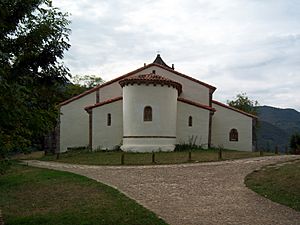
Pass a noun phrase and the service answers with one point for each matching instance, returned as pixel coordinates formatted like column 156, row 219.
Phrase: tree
column 87, row 81
column 33, row 38
column 243, row 103
column 295, row 143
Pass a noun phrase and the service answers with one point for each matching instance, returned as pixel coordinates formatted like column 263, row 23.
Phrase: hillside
column 276, row 127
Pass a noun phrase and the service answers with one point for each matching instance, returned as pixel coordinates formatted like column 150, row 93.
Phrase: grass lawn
column 114, row 157
column 280, row 183
column 33, row 196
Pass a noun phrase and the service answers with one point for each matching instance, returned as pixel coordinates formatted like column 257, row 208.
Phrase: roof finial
column 158, row 52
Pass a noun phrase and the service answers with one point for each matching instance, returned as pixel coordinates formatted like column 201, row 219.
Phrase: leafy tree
column 33, row 38
column 244, row 103
column 87, row 81
column 295, row 143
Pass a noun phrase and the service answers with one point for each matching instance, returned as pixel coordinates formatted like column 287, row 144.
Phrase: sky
column 238, row 46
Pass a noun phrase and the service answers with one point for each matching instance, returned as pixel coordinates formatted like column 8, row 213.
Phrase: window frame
column 190, row 121
column 148, row 114
column 233, row 135
column 108, row 119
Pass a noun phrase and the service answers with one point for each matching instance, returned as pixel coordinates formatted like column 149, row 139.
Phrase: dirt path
column 207, row 193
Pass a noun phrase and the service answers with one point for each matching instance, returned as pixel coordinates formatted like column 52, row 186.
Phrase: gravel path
column 207, row 193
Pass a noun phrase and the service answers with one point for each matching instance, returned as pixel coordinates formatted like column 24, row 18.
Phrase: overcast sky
column 250, row 46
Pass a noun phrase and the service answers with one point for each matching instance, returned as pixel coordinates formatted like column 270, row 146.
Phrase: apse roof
column 150, row 78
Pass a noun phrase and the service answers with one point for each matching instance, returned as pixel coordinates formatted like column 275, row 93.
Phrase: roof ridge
column 235, row 109
column 130, row 73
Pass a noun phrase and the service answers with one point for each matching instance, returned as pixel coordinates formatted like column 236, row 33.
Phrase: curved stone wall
column 146, row 136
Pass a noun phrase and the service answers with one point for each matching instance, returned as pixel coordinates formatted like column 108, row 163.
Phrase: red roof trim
column 103, row 103
column 133, row 72
column 103, row 85
column 151, row 78
column 234, row 109
column 196, row 104
column 185, row 76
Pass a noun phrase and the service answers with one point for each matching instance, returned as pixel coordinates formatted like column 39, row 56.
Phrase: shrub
column 295, row 143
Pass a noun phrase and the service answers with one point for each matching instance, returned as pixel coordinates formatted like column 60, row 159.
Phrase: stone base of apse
column 148, row 144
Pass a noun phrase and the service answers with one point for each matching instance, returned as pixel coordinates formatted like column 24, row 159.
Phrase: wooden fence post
column 220, row 154
column 261, row 153
column 57, row 155
column 190, row 156
column 153, row 157
column 276, row 150
column 122, row 158
column 286, row 150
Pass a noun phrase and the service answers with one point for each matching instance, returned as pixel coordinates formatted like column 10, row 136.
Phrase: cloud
column 247, row 46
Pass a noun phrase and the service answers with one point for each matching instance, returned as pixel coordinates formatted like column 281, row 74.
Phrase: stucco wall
column 190, row 90
column 162, row 100
column 223, row 121
column 74, row 123
column 200, row 126
column 110, row 91
column 107, row 137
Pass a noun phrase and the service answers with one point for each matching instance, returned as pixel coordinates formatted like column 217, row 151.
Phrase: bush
column 295, row 143
column 4, row 165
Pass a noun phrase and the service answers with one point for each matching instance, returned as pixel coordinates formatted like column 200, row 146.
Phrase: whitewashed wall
column 163, row 101
column 112, row 90
column 107, row 137
column 191, row 90
column 226, row 119
column 200, row 127
column 74, row 122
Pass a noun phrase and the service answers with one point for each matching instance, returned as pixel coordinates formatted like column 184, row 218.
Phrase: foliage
column 295, row 143
column 33, row 38
column 4, row 166
column 32, row 196
column 280, row 183
column 244, row 103
column 87, row 81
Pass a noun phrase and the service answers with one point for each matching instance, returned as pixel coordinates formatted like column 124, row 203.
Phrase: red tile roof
column 151, row 78
column 103, row 103
column 234, row 109
column 196, row 104
column 133, row 72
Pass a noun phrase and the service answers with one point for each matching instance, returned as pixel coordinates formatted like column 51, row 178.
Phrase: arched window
column 148, row 113
column 108, row 119
column 233, row 135
column 190, row 121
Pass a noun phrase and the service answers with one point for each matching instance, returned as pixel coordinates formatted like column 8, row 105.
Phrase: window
column 108, row 119
column 233, row 135
column 147, row 113
column 190, row 121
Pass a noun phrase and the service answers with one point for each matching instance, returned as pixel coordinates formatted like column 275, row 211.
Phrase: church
column 152, row 108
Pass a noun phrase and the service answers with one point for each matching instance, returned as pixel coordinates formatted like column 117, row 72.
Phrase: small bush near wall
column 187, row 147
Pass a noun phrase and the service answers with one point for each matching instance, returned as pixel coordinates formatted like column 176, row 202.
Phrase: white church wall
column 190, row 89
column 112, row 90
column 104, row 136
column 226, row 119
column 200, row 124
column 74, row 122
column 163, row 101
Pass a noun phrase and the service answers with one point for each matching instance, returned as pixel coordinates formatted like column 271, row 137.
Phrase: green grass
column 280, row 183
column 114, row 157
column 31, row 196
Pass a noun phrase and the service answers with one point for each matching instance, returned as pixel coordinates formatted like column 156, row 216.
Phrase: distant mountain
column 276, row 127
